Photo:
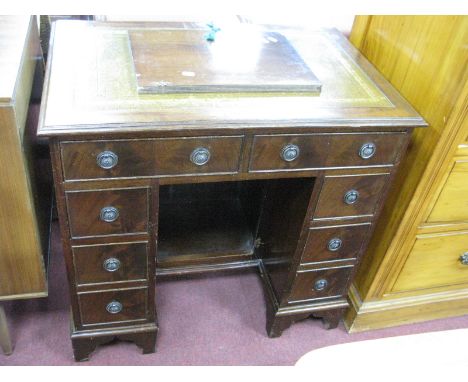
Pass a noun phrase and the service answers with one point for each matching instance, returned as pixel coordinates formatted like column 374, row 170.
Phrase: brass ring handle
column 200, row 156
column 290, row 152
column 114, row 307
column 334, row 244
column 107, row 160
column 111, row 264
column 367, row 150
column 351, row 197
column 320, row 285
column 109, row 214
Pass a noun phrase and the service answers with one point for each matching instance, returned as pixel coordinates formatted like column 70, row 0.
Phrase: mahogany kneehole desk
column 157, row 185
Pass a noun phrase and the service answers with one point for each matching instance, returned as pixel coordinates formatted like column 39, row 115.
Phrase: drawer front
column 365, row 149
column 288, row 152
column 113, row 306
column 307, row 151
column 320, row 283
column 110, row 263
column 350, row 195
column 435, row 261
column 150, row 157
column 452, row 203
column 110, row 212
column 334, row 243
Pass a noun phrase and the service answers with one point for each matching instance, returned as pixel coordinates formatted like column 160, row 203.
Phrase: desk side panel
column 20, row 249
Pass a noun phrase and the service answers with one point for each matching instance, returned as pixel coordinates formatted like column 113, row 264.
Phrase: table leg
column 5, row 341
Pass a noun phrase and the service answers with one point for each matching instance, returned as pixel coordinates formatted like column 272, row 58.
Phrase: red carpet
column 215, row 320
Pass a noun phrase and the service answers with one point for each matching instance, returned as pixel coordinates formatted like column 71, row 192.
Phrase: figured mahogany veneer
column 93, row 306
column 150, row 157
column 323, row 150
column 320, row 283
column 85, row 212
column 332, row 202
column 216, row 181
column 348, row 241
column 129, row 259
column 344, row 149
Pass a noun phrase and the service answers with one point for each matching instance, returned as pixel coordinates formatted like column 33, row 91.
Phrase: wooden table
column 25, row 179
column 163, row 185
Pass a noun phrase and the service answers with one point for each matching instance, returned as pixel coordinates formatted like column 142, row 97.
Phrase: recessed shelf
column 208, row 223
column 194, row 232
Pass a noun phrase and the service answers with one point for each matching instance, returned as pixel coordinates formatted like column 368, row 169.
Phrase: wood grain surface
column 425, row 58
column 21, row 251
column 353, row 92
column 239, row 59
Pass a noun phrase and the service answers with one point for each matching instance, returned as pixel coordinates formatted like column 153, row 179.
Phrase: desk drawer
column 365, row 149
column 150, row 157
column 307, row 151
column 452, row 202
column 334, row 243
column 436, row 260
column 109, row 212
column 320, row 283
column 289, row 152
column 110, row 263
column 350, row 195
column 113, row 306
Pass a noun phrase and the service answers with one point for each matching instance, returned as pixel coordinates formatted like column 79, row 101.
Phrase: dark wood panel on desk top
column 95, row 91
column 188, row 63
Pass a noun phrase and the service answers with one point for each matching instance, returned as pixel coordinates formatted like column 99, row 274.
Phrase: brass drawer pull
column 464, row 258
column 200, row 156
column 111, row 264
column 114, row 307
column 351, row 197
column 290, row 152
column 334, row 244
column 107, row 160
column 109, row 214
column 320, row 284
column 367, row 150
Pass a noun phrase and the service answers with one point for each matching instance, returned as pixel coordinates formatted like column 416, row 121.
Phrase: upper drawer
column 108, row 212
column 288, row 152
column 308, row 151
column 150, row 157
column 365, row 149
column 350, row 195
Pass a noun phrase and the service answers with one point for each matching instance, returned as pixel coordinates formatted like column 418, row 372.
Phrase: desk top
column 13, row 33
column 91, row 87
